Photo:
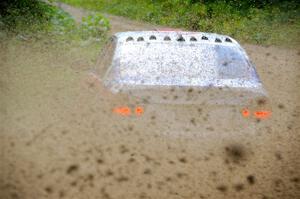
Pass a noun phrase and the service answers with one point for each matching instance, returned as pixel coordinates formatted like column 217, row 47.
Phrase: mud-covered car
column 200, row 80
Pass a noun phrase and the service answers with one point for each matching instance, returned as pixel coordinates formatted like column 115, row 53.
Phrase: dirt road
column 59, row 140
column 118, row 24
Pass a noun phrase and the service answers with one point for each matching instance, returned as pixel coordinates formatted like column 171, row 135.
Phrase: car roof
column 156, row 59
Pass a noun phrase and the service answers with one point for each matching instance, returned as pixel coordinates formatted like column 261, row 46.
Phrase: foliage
column 93, row 24
column 256, row 21
column 32, row 18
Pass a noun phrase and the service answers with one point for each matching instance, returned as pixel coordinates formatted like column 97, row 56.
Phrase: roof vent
column 204, row 38
column 140, row 39
column 180, row 38
column 193, row 39
column 152, row 37
column 167, row 38
column 228, row 40
column 129, row 39
column 218, row 40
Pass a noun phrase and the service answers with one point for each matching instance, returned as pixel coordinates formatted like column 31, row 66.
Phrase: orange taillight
column 126, row 111
column 245, row 112
column 122, row 110
column 139, row 111
column 262, row 114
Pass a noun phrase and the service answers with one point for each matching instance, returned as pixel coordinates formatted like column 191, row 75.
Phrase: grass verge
column 260, row 22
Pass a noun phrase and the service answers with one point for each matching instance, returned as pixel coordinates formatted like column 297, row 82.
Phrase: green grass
column 271, row 23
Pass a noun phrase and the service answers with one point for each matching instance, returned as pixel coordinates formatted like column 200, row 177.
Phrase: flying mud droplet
column 72, row 169
column 222, row 188
column 181, row 175
column 251, row 179
column 280, row 106
column 123, row 149
column 182, row 160
column 122, row 179
column 239, row 187
column 261, row 102
column 235, row 153
column 49, row 189
column 147, row 172
column 109, row 173
column 100, row 161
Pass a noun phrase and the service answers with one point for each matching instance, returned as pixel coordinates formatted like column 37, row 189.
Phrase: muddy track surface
column 59, row 138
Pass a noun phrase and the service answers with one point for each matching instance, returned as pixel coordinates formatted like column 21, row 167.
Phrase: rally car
column 192, row 78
